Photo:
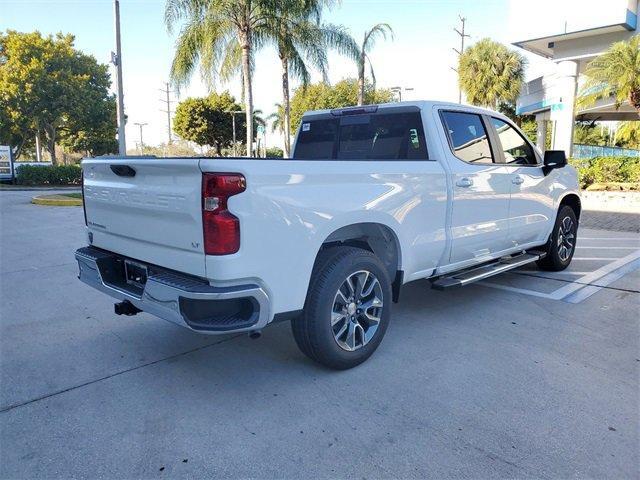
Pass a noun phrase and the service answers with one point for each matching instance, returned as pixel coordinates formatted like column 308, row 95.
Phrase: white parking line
column 595, row 258
column 608, row 238
column 586, row 292
column 607, row 273
column 580, row 247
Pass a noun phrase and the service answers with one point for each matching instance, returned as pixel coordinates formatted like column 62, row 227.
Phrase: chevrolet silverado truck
column 374, row 197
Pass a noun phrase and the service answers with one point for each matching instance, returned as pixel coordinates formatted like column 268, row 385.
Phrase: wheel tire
column 561, row 236
column 313, row 330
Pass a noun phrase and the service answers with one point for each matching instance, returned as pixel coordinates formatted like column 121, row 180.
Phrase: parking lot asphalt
column 528, row 375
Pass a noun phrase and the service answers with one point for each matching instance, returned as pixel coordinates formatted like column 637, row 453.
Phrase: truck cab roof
column 420, row 104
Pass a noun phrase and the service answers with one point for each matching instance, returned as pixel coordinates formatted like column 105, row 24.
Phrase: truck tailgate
column 147, row 209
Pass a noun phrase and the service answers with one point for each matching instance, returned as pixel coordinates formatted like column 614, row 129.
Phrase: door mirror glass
column 555, row 159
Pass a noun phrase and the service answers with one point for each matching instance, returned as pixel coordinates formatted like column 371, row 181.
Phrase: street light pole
column 116, row 59
column 141, row 144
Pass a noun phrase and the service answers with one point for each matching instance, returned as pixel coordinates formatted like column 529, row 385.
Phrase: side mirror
column 554, row 159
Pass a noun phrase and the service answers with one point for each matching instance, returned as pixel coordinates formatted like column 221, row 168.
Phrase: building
column 552, row 97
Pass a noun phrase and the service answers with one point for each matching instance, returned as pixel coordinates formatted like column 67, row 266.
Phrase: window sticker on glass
column 413, row 136
column 306, row 127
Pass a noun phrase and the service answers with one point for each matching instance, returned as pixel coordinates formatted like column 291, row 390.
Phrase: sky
column 420, row 56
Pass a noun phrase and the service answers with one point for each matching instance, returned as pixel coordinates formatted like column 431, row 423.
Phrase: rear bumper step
column 187, row 301
column 465, row 277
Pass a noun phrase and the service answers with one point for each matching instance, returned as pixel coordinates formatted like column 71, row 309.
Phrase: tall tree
column 490, row 74
column 628, row 135
column 207, row 121
column 318, row 96
column 615, row 73
column 368, row 42
column 49, row 87
column 302, row 41
column 216, row 33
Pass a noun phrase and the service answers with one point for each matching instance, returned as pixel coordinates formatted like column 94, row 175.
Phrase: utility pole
column 168, row 111
column 461, row 51
column 141, row 144
column 233, row 124
column 116, row 59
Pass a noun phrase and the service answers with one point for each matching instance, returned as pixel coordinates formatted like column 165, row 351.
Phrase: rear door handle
column 464, row 182
column 518, row 180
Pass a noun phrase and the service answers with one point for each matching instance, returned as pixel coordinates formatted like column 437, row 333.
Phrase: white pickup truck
column 374, row 197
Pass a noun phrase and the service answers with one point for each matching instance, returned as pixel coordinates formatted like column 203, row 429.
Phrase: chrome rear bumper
column 185, row 300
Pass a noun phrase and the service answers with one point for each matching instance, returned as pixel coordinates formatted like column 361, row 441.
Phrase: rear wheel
column 347, row 309
column 562, row 243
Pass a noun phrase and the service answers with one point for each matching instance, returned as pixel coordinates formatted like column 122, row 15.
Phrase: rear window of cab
column 372, row 136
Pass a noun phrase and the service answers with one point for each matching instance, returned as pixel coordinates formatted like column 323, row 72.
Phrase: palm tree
column 490, row 74
column 370, row 37
column 628, row 134
column 302, row 41
column 277, row 119
column 615, row 73
column 217, row 34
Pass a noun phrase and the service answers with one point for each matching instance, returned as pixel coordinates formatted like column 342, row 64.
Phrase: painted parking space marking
column 580, row 247
column 594, row 258
column 582, row 284
column 610, row 238
column 608, row 279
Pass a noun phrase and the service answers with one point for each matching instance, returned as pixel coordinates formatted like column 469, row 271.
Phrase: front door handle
column 517, row 180
column 464, row 182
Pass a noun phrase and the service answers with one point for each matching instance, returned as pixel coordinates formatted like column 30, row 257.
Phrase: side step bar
column 465, row 277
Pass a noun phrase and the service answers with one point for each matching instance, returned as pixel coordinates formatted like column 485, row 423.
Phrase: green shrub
column 607, row 170
column 48, row 175
column 275, row 152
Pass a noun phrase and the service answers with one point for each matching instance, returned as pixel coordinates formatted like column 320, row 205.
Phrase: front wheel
column 347, row 309
column 562, row 243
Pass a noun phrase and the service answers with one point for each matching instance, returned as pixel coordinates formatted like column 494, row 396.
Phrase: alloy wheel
column 357, row 310
column 566, row 239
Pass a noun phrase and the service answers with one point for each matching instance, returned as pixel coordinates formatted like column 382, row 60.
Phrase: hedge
column 48, row 175
column 603, row 170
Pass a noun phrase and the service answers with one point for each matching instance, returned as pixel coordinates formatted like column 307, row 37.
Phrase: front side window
column 375, row 136
column 515, row 148
column 468, row 137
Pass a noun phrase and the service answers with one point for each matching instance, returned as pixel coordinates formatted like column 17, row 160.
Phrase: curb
column 57, row 201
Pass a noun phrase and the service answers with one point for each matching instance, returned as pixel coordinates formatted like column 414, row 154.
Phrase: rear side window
column 468, row 137
column 379, row 136
column 317, row 140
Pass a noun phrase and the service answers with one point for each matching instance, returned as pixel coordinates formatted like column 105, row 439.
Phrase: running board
column 465, row 277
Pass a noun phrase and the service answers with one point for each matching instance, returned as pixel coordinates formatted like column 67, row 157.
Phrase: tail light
column 220, row 227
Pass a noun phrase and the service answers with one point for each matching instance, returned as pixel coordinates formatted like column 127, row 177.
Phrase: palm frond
column 615, row 73
column 379, row 30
